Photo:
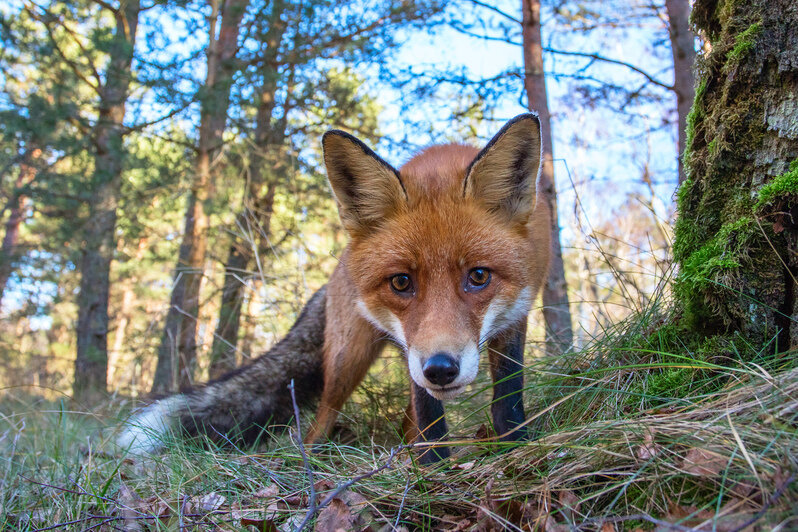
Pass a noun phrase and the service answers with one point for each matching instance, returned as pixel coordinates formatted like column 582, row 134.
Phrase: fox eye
column 478, row 278
column 401, row 284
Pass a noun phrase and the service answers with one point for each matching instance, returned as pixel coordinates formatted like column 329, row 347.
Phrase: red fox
column 445, row 258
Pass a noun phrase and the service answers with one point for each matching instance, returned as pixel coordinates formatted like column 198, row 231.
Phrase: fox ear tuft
column 366, row 188
column 503, row 176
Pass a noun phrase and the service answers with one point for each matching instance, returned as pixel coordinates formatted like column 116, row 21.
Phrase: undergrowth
column 648, row 428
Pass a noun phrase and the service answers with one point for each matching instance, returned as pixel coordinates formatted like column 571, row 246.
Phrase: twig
column 401, row 505
column 312, row 502
column 633, row 517
column 776, row 494
column 349, row 483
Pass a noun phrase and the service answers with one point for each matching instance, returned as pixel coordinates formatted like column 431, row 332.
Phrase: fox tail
column 239, row 404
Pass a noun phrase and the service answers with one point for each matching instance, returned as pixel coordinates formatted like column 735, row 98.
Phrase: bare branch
column 618, row 62
column 497, row 11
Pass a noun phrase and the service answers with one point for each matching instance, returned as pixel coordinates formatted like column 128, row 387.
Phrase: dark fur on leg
column 507, row 363
column 430, row 422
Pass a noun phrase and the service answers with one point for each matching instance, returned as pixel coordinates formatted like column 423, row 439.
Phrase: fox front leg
column 506, row 354
column 430, row 422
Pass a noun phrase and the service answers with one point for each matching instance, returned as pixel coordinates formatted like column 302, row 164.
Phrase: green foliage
column 781, row 188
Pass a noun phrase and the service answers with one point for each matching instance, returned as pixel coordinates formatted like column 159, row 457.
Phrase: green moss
column 744, row 42
column 781, row 187
column 712, row 268
column 694, row 117
column 670, row 382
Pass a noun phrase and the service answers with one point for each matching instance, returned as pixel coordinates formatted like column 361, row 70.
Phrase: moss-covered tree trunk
column 737, row 232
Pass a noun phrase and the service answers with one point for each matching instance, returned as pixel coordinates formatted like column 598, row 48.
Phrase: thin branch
column 778, row 493
column 497, row 11
column 312, row 502
column 57, row 48
column 611, row 61
column 107, row 6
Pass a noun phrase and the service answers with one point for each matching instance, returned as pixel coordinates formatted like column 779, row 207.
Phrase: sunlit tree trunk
column 253, row 222
column 16, row 214
column 736, row 237
column 178, row 349
column 683, row 49
column 556, row 310
column 125, row 309
column 99, row 239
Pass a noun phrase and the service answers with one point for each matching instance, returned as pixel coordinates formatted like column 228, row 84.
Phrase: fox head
column 442, row 252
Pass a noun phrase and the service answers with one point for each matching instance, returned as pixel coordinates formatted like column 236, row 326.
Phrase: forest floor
column 632, row 435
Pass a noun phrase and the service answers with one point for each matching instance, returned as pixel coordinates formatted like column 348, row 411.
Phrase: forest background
column 166, row 215
column 400, row 75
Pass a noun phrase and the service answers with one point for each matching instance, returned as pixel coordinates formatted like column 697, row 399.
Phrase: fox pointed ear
column 366, row 188
column 503, row 176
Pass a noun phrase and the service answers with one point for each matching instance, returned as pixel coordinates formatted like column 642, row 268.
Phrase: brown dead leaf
column 296, row 501
column 569, row 503
column 464, row 467
column 157, row 507
column 701, row 462
column 356, row 501
column 323, row 485
column 607, row 527
column 648, row 449
column 132, row 507
column 210, row 502
column 263, row 525
column 335, row 517
column 268, row 491
column 484, row 432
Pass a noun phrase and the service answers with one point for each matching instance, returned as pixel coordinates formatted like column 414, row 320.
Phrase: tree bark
column 91, row 362
column 556, row 309
column 736, row 238
column 16, row 214
column 683, row 49
column 126, row 306
column 178, row 349
column 258, row 200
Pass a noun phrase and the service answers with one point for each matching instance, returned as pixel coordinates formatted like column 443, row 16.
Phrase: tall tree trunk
column 126, row 307
column 16, row 214
column 91, row 363
column 736, row 237
column 683, row 48
column 556, row 309
column 258, row 200
column 178, row 349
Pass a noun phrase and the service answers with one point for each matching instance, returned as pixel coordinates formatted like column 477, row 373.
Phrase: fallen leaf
column 210, row 502
column 569, row 503
column 293, row 522
column 648, row 449
column 484, row 432
column 132, row 507
column 264, row 525
column 607, row 527
column 464, row 467
column 336, row 516
column 269, row 491
column 701, row 462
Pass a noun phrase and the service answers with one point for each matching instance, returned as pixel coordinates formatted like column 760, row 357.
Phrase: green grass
column 632, row 431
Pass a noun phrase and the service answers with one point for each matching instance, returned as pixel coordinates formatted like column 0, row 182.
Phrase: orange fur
column 433, row 220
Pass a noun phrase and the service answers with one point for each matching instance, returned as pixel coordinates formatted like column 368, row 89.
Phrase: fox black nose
column 441, row 369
